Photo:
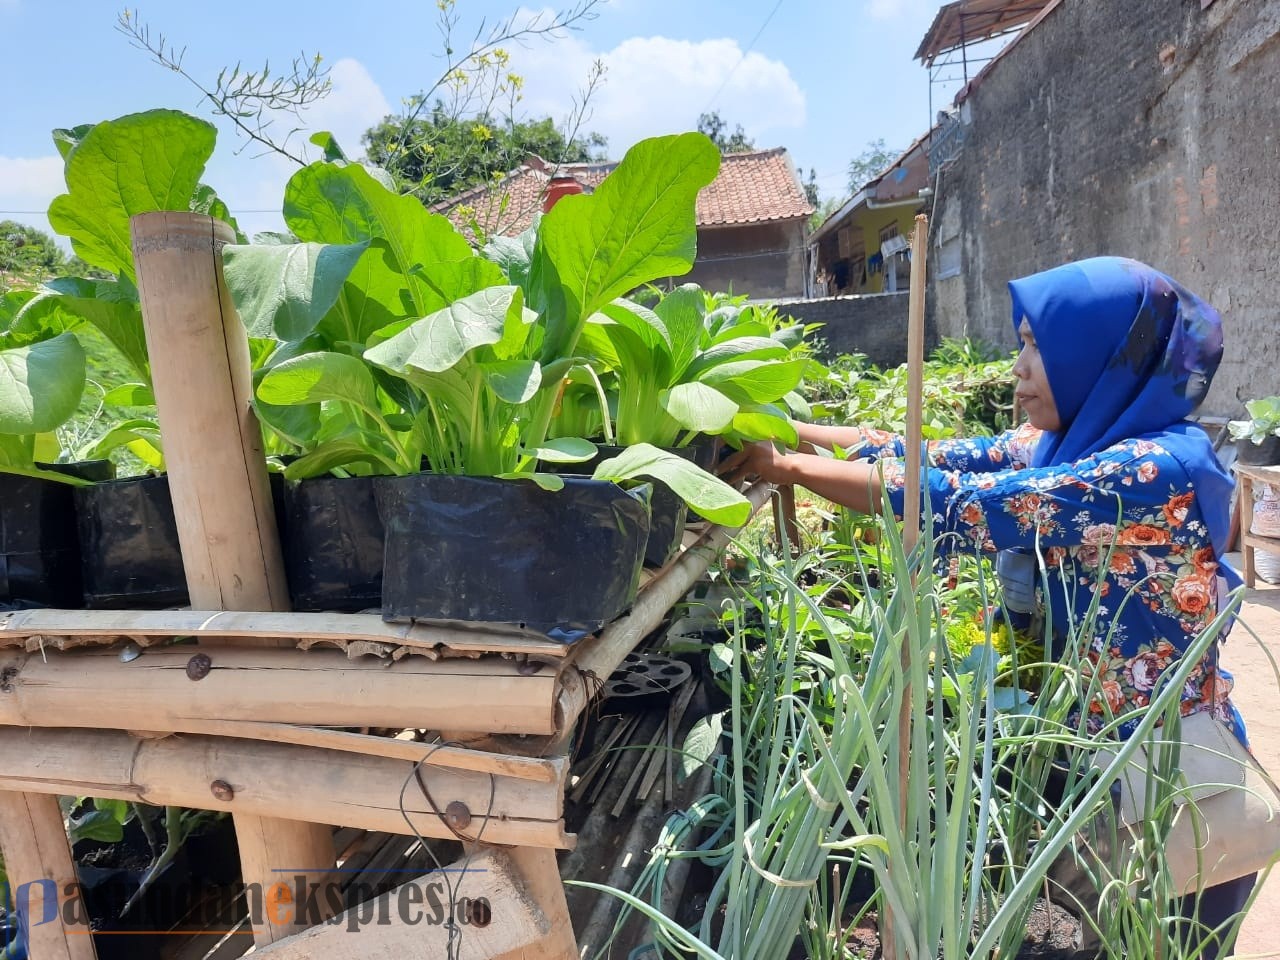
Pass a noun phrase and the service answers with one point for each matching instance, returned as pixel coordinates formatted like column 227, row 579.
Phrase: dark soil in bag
column 477, row 549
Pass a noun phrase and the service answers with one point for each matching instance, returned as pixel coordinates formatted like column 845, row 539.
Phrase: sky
column 819, row 77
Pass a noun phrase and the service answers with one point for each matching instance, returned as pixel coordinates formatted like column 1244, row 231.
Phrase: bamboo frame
column 243, row 721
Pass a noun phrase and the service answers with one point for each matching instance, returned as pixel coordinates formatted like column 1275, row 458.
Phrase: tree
column 715, row 127
column 871, row 162
column 27, row 255
column 438, row 155
column 811, row 187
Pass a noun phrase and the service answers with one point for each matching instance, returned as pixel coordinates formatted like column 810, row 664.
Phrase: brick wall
column 760, row 260
column 1142, row 128
column 874, row 324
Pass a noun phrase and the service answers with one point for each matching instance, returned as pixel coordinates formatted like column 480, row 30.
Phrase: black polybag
column 39, row 548
column 477, row 549
column 129, row 551
column 333, row 543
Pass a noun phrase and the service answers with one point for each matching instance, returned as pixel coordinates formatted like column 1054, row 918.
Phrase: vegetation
column 870, row 163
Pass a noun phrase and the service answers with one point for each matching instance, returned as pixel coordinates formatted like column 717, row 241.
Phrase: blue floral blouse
column 1161, row 585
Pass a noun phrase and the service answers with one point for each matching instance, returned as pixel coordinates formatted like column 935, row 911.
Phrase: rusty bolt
column 222, row 791
column 457, row 815
column 479, row 913
column 198, row 666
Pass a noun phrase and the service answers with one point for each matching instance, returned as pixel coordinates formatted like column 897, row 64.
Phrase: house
column 752, row 219
column 862, row 247
column 1138, row 128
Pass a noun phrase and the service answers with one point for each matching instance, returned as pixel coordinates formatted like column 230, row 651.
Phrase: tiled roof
column 754, row 187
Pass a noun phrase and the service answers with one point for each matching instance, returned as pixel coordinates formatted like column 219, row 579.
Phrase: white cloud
column 355, row 103
column 658, row 85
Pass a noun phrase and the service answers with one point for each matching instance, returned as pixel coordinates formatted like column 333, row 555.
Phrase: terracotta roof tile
column 751, row 188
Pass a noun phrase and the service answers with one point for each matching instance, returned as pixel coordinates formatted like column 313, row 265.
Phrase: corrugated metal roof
column 969, row 21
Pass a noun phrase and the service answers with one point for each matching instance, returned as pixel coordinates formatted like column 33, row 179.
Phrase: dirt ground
column 1257, row 695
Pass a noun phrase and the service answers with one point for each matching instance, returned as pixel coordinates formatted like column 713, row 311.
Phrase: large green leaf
column 515, row 254
column 707, row 495
column 287, row 290
column 515, row 381
column 638, row 226
column 436, row 342
column 317, row 377
column 682, row 312
column 756, row 381
column 40, row 384
column 109, row 306
column 141, row 437
column 342, row 204
column 739, row 348
column 698, row 406
column 641, row 321
column 136, row 164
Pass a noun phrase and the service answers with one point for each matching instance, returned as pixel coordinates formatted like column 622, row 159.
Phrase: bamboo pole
column 166, row 687
column 203, row 386
column 910, row 513
column 36, row 854
column 19, row 627
column 414, row 924
column 317, row 786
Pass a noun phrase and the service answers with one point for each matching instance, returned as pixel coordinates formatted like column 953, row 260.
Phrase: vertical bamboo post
column 910, row 512
column 217, row 476
column 37, row 855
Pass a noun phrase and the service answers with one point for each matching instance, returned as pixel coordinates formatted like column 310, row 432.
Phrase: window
column 950, row 257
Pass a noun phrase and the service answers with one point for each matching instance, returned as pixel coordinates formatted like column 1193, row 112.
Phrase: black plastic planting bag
column 129, row 550
column 39, row 549
column 333, row 543
column 475, row 549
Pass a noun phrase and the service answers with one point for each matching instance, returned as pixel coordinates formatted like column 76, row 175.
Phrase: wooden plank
column 540, row 876
column 516, row 919
column 319, row 786
column 107, row 626
column 36, row 852
column 92, row 688
column 214, row 456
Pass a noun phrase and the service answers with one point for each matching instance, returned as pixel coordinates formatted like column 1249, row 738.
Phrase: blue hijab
column 1128, row 353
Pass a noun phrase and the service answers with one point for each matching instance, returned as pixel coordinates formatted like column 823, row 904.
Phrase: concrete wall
column 874, row 324
column 761, row 260
column 1141, row 128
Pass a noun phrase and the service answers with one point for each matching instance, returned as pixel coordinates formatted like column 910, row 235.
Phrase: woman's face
column 1033, row 384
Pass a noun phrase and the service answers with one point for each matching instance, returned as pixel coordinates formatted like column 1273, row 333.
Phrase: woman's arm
column 828, row 437
column 851, row 483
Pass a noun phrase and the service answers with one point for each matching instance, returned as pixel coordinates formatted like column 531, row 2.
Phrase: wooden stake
column 251, row 777
column 217, row 475
column 36, row 854
column 515, row 921
column 910, row 516
column 166, row 688
column 542, row 884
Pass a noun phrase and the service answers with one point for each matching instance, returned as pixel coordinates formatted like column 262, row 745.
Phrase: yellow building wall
column 872, row 222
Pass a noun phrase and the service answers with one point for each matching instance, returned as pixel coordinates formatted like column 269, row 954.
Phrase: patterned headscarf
column 1128, row 353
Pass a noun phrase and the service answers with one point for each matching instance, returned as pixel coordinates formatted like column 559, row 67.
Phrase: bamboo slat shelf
column 1251, row 542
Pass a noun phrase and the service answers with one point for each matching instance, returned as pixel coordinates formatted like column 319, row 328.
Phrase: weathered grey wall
column 760, row 260
column 874, row 324
column 1141, row 128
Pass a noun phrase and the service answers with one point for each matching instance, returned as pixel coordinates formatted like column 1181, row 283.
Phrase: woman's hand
column 760, row 460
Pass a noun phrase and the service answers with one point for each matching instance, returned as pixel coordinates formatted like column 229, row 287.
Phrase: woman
column 1108, row 483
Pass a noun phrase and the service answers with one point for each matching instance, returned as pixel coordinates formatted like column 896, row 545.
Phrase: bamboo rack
column 243, row 706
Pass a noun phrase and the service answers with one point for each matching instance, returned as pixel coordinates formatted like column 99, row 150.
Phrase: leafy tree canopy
column 870, row 163
column 436, row 155
column 718, row 130
column 28, row 254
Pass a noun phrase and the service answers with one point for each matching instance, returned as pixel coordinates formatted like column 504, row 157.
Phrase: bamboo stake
column 217, row 476
column 168, row 688
column 317, row 786
column 36, row 854
column 910, row 515
column 514, row 920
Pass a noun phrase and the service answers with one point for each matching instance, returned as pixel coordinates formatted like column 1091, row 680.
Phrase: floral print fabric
column 1124, row 522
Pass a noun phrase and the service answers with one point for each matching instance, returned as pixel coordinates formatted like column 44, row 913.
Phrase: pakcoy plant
column 396, row 342
column 140, row 163
column 679, row 370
